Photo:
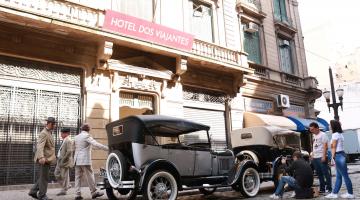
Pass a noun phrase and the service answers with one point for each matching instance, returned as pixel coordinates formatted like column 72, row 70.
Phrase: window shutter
column 137, row 8
column 277, row 13
column 201, row 21
column 283, row 11
column 286, row 58
column 230, row 20
column 252, row 46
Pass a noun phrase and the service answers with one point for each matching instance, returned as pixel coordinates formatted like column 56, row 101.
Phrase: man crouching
column 64, row 162
column 301, row 181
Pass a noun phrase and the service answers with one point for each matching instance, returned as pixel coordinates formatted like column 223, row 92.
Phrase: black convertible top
column 171, row 126
column 135, row 128
column 161, row 125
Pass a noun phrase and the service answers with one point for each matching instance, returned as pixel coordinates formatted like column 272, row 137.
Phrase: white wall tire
column 115, row 168
column 249, row 184
column 160, row 185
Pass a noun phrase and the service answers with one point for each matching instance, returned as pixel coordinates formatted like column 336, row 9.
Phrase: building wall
column 54, row 40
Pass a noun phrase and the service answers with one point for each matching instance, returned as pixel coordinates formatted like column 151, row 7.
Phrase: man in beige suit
column 65, row 161
column 44, row 156
column 82, row 160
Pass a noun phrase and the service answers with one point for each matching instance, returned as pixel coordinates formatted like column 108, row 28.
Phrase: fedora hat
column 51, row 119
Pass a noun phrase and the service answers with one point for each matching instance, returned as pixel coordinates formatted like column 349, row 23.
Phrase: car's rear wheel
column 249, row 184
column 116, row 167
column 207, row 191
column 120, row 194
column 160, row 185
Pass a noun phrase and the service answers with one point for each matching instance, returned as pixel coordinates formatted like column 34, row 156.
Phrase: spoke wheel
column 115, row 168
column 120, row 194
column 249, row 182
column 161, row 185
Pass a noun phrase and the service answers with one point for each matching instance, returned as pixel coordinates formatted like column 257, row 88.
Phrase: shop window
column 286, row 60
column 252, row 42
column 202, row 21
column 280, row 10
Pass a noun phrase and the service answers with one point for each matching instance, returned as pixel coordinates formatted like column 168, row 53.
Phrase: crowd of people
column 77, row 154
column 71, row 154
column 301, row 179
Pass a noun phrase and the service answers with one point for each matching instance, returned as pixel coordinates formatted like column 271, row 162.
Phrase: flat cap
column 51, row 119
column 65, row 129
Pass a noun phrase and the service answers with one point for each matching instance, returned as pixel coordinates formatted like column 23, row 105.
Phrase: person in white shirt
column 339, row 157
column 82, row 160
column 319, row 157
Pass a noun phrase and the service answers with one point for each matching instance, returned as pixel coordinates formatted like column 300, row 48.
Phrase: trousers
column 41, row 184
column 87, row 172
column 62, row 175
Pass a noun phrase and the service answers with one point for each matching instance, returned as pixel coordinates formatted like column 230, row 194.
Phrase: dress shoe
column 97, row 194
column 79, row 198
column 33, row 195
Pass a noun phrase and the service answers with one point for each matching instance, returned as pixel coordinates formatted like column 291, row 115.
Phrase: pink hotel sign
column 148, row 31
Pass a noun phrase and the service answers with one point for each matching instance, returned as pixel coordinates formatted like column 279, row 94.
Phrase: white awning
column 254, row 119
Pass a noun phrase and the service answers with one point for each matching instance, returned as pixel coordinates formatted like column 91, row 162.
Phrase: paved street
column 266, row 190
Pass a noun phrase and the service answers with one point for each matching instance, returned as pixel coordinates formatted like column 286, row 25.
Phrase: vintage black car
column 157, row 156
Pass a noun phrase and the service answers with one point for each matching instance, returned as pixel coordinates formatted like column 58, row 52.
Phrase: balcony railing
column 290, row 79
column 216, row 52
column 62, row 10
column 260, row 71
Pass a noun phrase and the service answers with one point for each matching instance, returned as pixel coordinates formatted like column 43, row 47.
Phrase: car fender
column 234, row 173
column 252, row 154
column 153, row 165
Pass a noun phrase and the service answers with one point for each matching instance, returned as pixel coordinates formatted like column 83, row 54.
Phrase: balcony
column 77, row 15
column 291, row 79
column 219, row 53
column 62, row 10
column 260, row 71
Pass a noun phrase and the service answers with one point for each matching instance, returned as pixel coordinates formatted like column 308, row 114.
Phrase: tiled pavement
column 266, row 190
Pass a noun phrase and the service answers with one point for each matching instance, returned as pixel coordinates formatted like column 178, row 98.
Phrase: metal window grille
column 22, row 115
column 203, row 96
column 23, row 112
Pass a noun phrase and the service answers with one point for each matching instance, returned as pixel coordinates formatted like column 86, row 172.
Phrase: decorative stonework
column 38, row 71
column 134, row 82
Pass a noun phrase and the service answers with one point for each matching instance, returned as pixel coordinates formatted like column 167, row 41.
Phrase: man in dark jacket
column 302, row 178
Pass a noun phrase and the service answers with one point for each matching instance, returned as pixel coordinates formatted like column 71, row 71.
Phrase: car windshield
column 288, row 141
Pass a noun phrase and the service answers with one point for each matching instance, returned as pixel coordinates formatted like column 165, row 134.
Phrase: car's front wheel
column 207, row 191
column 249, row 184
column 160, row 185
column 120, row 194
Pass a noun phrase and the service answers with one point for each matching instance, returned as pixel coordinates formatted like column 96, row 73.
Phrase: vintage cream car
column 265, row 145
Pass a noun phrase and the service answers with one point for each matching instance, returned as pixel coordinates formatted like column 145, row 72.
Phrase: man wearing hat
column 44, row 156
column 82, row 159
column 65, row 161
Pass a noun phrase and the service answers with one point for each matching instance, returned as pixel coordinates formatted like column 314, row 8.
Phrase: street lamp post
column 340, row 92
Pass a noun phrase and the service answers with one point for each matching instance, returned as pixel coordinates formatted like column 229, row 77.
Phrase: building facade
column 98, row 61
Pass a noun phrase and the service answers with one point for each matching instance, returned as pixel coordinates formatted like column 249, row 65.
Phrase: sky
column 332, row 38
